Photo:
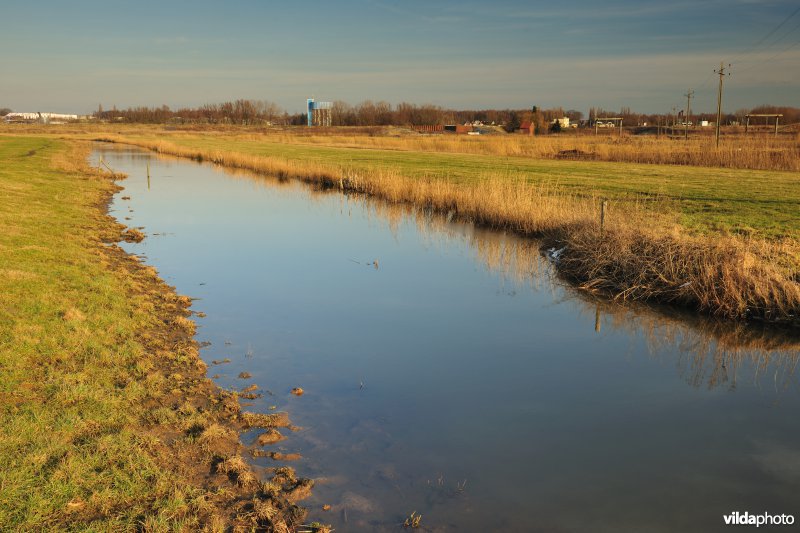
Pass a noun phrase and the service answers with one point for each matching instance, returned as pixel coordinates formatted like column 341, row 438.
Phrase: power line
column 768, row 35
column 763, row 62
column 701, row 87
column 785, row 34
column 705, row 83
column 772, row 44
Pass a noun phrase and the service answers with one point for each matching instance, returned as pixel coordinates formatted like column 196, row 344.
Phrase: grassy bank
column 107, row 421
column 737, row 258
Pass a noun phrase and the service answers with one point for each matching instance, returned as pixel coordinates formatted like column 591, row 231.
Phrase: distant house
column 527, row 128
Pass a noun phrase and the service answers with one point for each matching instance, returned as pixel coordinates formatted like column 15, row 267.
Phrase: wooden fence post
column 603, row 206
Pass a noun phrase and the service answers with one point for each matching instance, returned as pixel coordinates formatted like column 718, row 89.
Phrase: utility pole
column 688, row 113
column 674, row 121
column 721, row 73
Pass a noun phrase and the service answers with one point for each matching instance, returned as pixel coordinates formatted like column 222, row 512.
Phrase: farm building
column 527, row 128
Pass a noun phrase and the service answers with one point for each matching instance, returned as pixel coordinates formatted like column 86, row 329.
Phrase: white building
column 42, row 117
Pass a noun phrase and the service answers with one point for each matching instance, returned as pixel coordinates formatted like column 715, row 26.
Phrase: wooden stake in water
column 148, row 175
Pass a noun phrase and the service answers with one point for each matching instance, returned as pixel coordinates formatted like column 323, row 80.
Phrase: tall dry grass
column 724, row 276
column 755, row 152
column 639, row 255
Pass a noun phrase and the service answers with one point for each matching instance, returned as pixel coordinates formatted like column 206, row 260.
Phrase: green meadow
column 75, row 375
column 753, row 202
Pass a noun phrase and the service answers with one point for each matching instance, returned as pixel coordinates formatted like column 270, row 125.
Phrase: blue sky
column 70, row 56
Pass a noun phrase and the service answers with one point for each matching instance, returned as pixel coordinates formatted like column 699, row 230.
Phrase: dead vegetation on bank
column 638, row 255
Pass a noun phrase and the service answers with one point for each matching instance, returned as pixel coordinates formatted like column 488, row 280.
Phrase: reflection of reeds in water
column 712, row 352
column 514, row 258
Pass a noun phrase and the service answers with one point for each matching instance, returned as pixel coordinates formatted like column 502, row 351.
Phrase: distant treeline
column 236, row 112
column 369, row 113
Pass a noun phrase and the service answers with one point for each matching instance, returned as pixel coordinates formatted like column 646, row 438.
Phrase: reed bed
column 638, row 255
column 723, row 276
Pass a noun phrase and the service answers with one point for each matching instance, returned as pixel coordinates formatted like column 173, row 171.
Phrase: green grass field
column 73, row 370
column 758, row 203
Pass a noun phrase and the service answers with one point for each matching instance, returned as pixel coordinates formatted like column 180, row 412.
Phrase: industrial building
column 319, row 113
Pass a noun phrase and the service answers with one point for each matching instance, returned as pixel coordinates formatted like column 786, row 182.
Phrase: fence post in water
column 603, row 206
column 148, row 175
column 597, row 319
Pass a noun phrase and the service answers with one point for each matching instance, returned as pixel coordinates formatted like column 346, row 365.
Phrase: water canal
column 448, row 372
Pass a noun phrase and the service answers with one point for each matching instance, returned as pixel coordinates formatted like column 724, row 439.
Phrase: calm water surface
column 456, row 378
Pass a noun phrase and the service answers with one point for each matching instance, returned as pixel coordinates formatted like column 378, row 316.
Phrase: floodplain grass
column 707, row 199
column 640, row 253
column 107, row 421
column 760, row 152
